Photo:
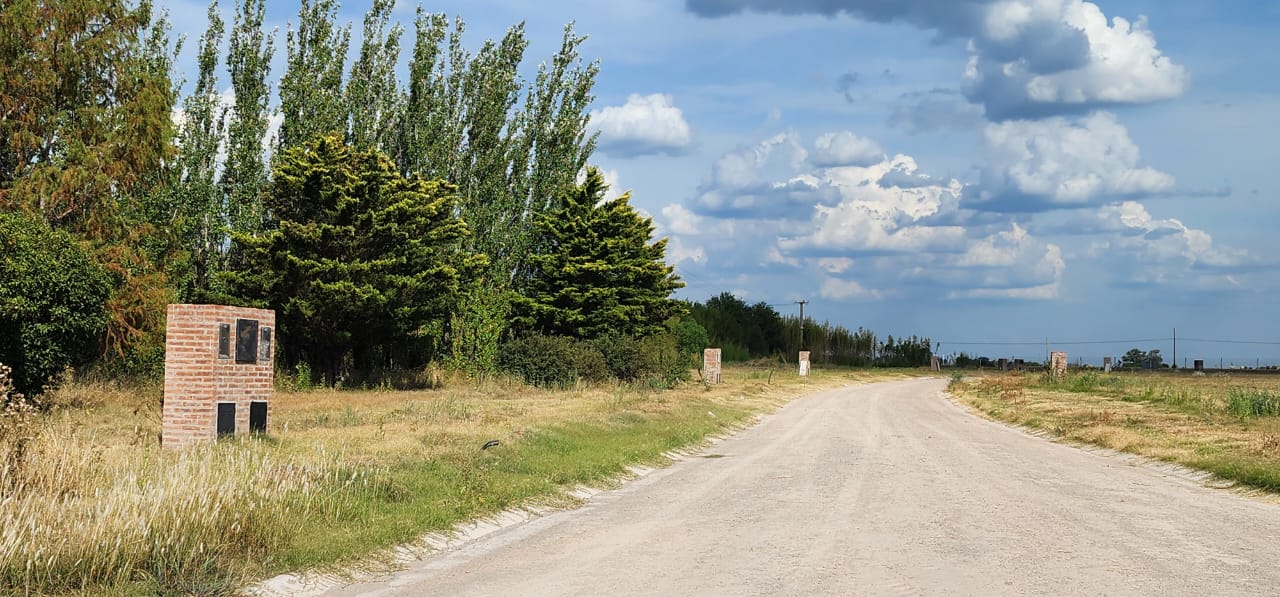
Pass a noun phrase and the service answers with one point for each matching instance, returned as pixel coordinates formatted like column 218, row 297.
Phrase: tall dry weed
column 79, row 517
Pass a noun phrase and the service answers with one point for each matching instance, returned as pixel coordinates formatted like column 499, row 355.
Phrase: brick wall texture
column 196, row 379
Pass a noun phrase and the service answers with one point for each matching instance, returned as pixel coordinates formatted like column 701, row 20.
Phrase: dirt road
column 884, row 489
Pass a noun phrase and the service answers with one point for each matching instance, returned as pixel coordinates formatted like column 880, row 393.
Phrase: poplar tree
column 312, row 98
column 195, row 209
column 431, row 131
column 464, row 121
column 596, row 272
column 375, row 100
column 244, row 176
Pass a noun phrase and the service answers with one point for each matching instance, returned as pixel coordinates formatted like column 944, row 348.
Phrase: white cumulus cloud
column 646, row 124
column 1037, row 57
column 837, row 289
column 846, row 149
column 1059, row 162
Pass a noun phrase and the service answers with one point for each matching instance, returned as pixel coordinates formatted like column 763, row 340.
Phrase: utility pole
column 1175, row 348
column 802, row 304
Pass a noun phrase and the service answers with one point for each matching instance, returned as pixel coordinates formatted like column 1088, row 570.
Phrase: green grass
column 1252, row 402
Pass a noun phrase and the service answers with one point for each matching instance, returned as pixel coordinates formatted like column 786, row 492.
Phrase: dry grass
column 1217, row 423
column 95, row 506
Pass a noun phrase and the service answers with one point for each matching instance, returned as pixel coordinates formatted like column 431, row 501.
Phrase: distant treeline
column 747, row 331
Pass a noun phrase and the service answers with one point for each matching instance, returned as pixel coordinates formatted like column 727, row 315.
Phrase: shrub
column 552, row 361
column 691, row 338
column 623, row 355
column 52, row 299
column 664, row 366
column 654, row 359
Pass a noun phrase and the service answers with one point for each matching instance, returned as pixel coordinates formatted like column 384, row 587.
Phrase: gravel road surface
column 881, row 489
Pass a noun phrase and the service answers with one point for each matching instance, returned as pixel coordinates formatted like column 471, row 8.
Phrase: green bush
column 52, row 299
column 623, row 355
column 656, row 360
column 552, row 361
column 691, row 338
column 664, row 366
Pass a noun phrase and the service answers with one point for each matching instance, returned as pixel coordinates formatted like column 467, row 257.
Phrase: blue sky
column 968, row 170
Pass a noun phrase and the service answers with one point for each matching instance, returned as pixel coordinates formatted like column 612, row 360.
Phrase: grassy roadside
column 95, row 507
column 1227, row 425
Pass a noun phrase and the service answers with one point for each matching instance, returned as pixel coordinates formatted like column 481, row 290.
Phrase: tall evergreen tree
column 360, row 262
column 596, row 272
column 85, row 103
column 312, row 98
column 84, row 121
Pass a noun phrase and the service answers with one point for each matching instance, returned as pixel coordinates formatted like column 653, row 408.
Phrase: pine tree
column 361, row 261
column 85, row 117
column 596, row 272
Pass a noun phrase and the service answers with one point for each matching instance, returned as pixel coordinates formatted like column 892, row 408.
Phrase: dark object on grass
column 490, row 444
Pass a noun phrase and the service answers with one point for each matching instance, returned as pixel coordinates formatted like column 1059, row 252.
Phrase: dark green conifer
column 595, row 271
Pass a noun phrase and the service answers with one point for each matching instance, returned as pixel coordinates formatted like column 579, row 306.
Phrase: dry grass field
column 1225, row 424
column 90, row 504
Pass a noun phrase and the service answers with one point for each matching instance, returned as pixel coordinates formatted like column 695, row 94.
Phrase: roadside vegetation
column 1224, row 424
column 94, row 506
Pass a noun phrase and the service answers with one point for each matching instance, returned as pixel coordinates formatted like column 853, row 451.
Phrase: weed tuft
column 1250, row 402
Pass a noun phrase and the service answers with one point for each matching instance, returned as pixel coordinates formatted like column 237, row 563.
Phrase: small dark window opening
column 258, row 417
column 247, row 341
column 224, row 340
column 226, row 418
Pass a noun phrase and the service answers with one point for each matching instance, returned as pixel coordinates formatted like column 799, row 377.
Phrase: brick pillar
column 201, row 371
column 711, row 365
column 1058, row 364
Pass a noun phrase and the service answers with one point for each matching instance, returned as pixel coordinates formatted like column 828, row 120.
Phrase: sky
column 991, row 174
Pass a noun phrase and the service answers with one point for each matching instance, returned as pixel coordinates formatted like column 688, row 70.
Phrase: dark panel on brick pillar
column 247, row 341
column 224, row 340
column 258, row 416
column 264, row 345
column 226, row 418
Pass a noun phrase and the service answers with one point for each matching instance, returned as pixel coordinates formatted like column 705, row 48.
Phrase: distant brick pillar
column 804, row 363
column 1058, row 364
column 711, row 365
column 218, row 372
column 1106, row 364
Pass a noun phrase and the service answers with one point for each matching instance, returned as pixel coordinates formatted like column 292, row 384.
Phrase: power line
column 1056, row 343
column 1231, row 341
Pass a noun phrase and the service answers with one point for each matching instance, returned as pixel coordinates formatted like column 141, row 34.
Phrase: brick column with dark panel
column 218, row 372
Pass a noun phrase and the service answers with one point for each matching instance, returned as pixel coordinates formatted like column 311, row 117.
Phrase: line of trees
column 390, row 223
column 745, row 331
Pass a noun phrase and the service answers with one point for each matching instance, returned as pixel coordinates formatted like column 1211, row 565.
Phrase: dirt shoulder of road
column 1184, row 424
